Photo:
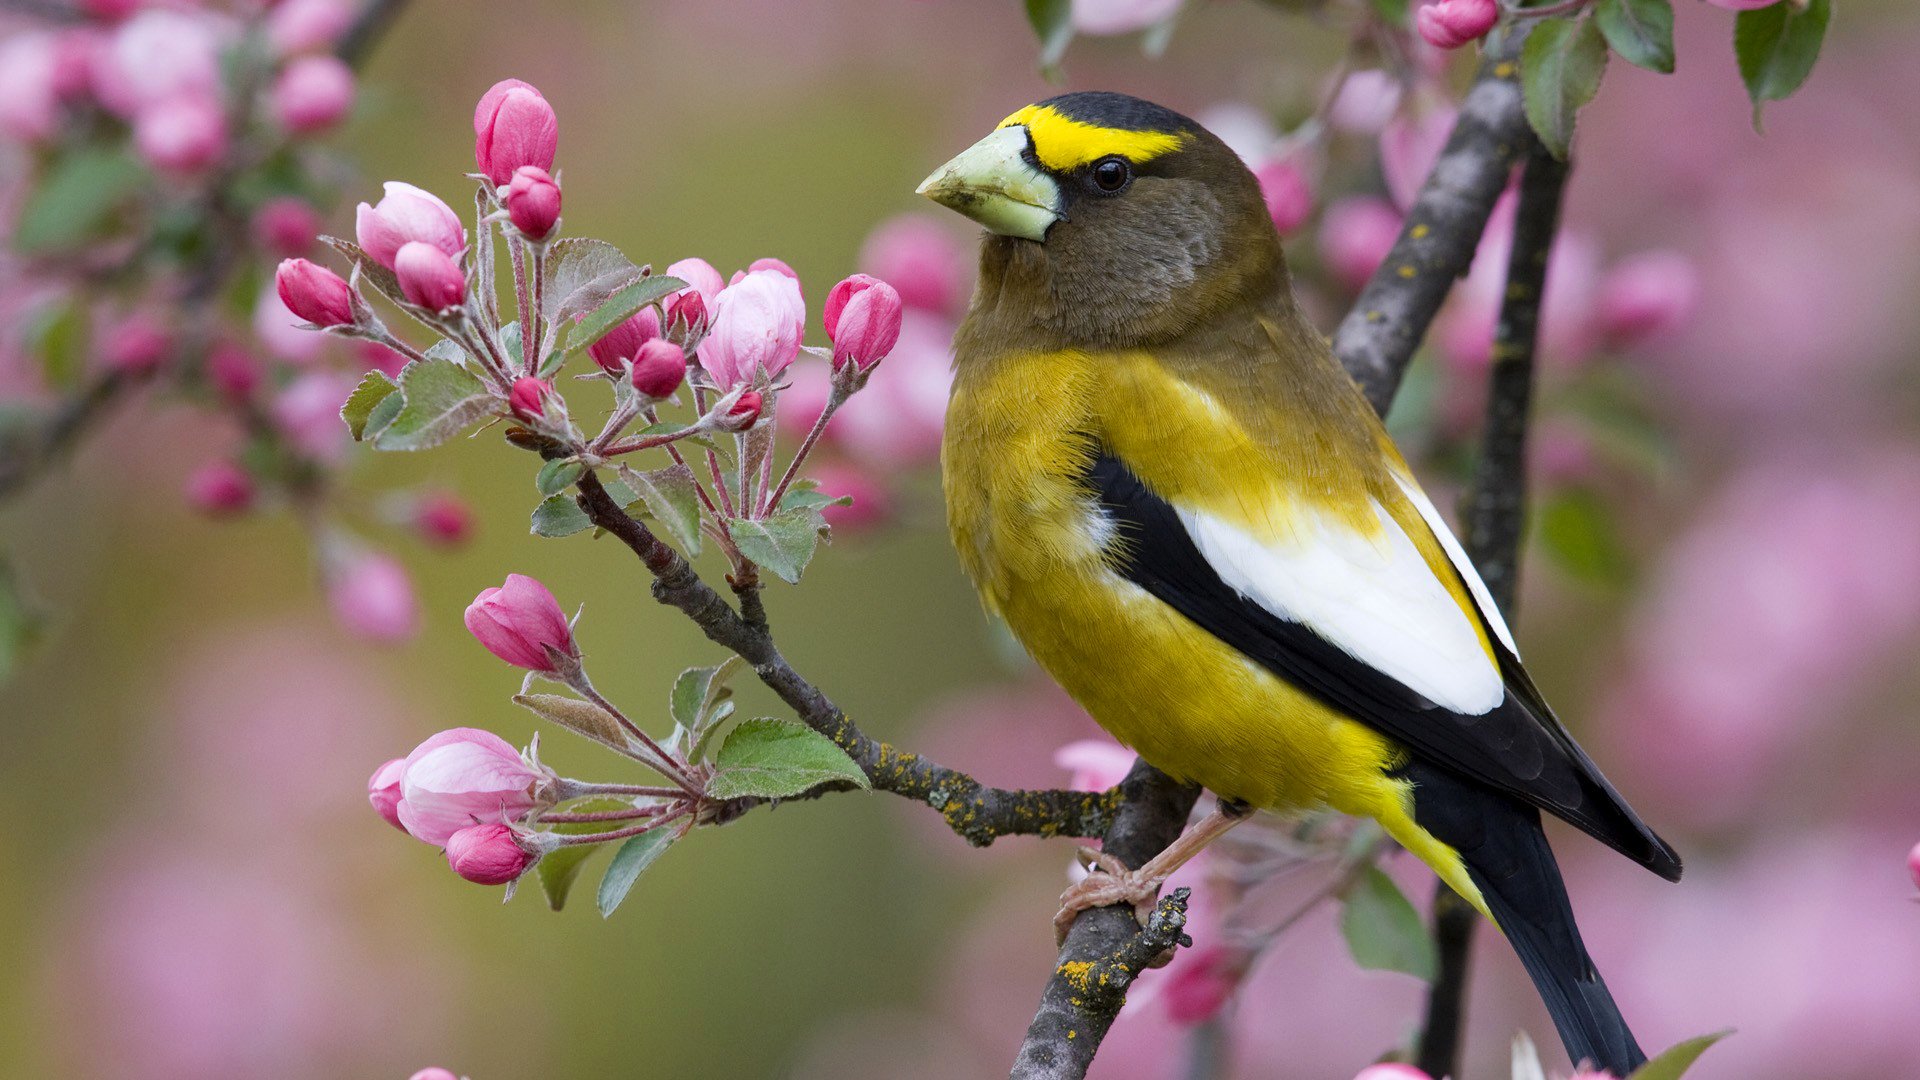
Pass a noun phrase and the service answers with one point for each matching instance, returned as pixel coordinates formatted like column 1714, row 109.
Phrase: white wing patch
column 1373, row 597
column 1458, row 556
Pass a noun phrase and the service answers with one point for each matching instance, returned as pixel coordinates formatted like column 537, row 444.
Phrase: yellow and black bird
column 1159, row 476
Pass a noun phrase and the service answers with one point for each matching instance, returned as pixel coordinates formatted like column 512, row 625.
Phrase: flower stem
column 574, row 840
column 667, row 765
column 586, row 816
column 800, row 455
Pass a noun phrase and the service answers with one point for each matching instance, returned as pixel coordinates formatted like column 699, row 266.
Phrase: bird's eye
column 1111, row 174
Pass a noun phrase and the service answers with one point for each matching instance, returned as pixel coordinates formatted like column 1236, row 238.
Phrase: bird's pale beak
column 993, row 183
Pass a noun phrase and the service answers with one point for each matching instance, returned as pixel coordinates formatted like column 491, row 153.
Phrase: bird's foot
column 1108, row 881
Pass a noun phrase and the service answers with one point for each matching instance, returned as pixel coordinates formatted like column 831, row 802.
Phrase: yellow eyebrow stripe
column 1063, row 143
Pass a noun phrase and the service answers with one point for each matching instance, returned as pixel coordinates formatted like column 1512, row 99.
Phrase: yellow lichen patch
column 1408, row 271
column 1063, row 143
column 1420, row 232
column 1503, row 70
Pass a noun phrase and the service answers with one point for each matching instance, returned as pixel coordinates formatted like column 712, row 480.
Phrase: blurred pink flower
column 465, row 776
column 307, row 413
column 757, row 325
column 1120, row 16
column 373, row 597
column 513, row 126
column 1288, row 196
column 160, row 55
column 184, row 133
column 287, row 225
column 383, row 791
column 443, row 519
column 1913, row 865
column 896, row 421
column 219, row 488
column 136, row 344
column 29, row 99
column 233, row 371
column 282, row 332
column 922, row 258
column 1742, row 5
column 434, row 1072
column 519, row 622
column 405, row 214
column 1648, row 295
column 1392, row 1071
column 1409, row 146
column 1356, row 233
column 1569, row 331
column 1096, row 764
column 298, row 26
column 804, row 399
column 311, row 94
column 1203, row 984
column 1366, row 101
column 1246, row 129
column 872, row 504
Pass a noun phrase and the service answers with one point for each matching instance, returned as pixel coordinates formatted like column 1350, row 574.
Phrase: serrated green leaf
column 814, row 500
column 558, row 869
column 634, row 856
column 374, row 389
column 76, row 199
column 558, row 475
column 1577, row 529
column 1641, row 31
column 441, row 399
column 560, row 515
column 772, row 758
column 783, row 541
column 699, row 698
column 619, row 307
column 1560, row 69
column 584, row 274
column 1777, row 47
column 1383, row 931
column 672, row 497
column 1673, row 1062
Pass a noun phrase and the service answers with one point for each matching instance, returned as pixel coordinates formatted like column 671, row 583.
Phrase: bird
column 1163, row 482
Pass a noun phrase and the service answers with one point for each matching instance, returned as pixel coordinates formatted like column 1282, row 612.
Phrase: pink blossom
column 687, row 318
column 1569, row 331
column 533, row 202
column 219, row 487
column 804, row 399
column 744, row 412
column 314, row 293
column 659, row 368
column 897, row 420
column 233, row 371
column 1647, row 295
column 529, row 397
column 186, row 133
column 137, row 344
column 757, row 324
column 1913, row 865
column 29, row 98
column 429, row 277
column 519, row 622
column 110, row 10
column 1366, row 101
column 1288, row 196
column 701, row 277
column 1409, row 147
column 513, row 126
column 157, row 56
column 1356, row 233
column 434, row 1072
column 1096, row 764
column 311, row 94
column 1449, row 24
column 1202, row 986
column 1120, row 16
column 307, row 413
column 284, row 334
column 462, row 777
column 622, row 343
column 1393, row 1071
column 406, row 214
column 872, row 504
column 443, row 519
column 488, row 854
column 373, row 597
column 921, row 258
column 286, row 225
column 862, row 317
column 778, row 266
column 299, row 26
column 383, row 791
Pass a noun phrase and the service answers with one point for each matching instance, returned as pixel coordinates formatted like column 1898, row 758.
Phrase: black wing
column 1517, row 747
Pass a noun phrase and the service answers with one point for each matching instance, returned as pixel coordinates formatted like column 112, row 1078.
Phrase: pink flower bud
column 307, row 412
column 1409, row 147
column 219, row 487
column 463, row 777
column 659, row 369
column 373, row 597
column 1647, row 295
column 434, row 1072
column 182, row 134
column 443, row 520
column 406, row 214
column 286, row 226
column 701, row 277
column 314, row 293
column 383, row 791
column 136, row 345
column 1289, row 198
column 1098, row 17
column 519, row 622
column 298, row 26
column 29, row 94
column 769, row 263
column 922, row 259
column 1199, row 985
column 312, row 94
column 513, row 126
column 1391, row 1071
column 1366, row 100
column 1356, row 233
column 1096, row 764
column 872, row 505
column 1913, row 865
column 533, row 202
column 687, row 317
column 233, row 371
column 757, row 324
column 488, row 854
column 158, row 56
column 863, row 321
column 528, row 398
column 622, row 343
column 1450, row 24
column 744, row 412
column 429, row 277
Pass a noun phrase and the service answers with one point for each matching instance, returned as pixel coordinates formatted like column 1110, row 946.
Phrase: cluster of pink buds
column 466, row 790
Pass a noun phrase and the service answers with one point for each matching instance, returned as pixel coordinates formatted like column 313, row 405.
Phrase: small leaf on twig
column 558, row 475
column 558, row 869
column 560, row 515
column 672, row 498
column 1577, row 529
column 1777, row 47
column 619, row 307
column 78, row 197
column 783, row 541
column 634, row 856
column 374, row 389
column 584, row 274
column 579, row 717
column 1641, row 31
column 699, row 695
column 440, row 399
column 1382, row 929
column 773, row 758
column 1560, row 69
column 1673, row 1062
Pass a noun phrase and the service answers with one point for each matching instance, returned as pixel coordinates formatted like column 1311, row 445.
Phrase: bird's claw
column 1108, row 881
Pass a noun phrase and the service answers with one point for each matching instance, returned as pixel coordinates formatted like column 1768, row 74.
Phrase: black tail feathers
column 1507, row 856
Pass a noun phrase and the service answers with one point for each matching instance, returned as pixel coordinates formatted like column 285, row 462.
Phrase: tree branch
column 1495, row 519
column 979, row 813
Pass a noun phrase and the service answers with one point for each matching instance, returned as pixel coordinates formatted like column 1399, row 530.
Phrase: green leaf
column 697, row 700
column 1382, row 929
column 773, row 759
column 21, row 623
column 1673, row 1062
column 76, row 199
column 558, row 475
column 1560, row 69
column 441, row 398
column 619, row 307
column 1392, row 12
column 783, row 541
column 1577, row 529
column 1053, row 24
column 634, row 856
column 558, row 869
column 1641, row 31
column 584, row 274
column 580, row 717
column 1777, row 47
column 813, row 500
column 560, row 515
column 374, row 389
column 672, row 497
column 58, row 336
